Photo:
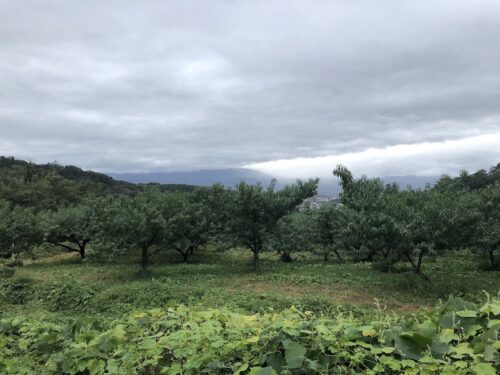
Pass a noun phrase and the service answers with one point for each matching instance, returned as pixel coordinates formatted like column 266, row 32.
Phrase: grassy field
column 61, row 284
column 215, row 316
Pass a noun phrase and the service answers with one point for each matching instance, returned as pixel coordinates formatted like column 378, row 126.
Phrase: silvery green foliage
column 19, row 230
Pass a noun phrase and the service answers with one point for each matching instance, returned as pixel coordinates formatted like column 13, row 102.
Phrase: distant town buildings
column 320, row 199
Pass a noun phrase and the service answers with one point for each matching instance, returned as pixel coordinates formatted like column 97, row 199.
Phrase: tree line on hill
column 50, row 186
column 374, row 222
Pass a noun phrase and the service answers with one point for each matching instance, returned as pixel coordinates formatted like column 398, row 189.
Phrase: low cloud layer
column 129, row 86
column 424, row 159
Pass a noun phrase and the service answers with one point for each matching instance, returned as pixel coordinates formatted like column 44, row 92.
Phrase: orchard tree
column 329, row 229
column 5, row 241
column 421, row 225
column 346, row 181
column 137, row 223
column 255, row 211
column 369, row 227
column 487, row 229
column 216, row 201
column 291, row 234
column 19, row 230
column 71, row 228
column 385, row 223
column 189, row 225
column 414, row 233
column 453, row 216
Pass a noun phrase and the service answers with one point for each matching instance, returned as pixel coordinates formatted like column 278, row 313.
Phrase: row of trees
column 374, row 222
column 387, row 225
column 155, row 221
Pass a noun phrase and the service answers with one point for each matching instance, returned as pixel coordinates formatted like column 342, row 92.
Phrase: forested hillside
column 48, row 186
column 471, row 181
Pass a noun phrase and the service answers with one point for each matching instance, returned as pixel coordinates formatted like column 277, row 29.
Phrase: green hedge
column 456, row 338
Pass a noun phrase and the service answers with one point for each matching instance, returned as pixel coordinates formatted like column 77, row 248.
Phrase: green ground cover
column 216, row 316
column 216, row 279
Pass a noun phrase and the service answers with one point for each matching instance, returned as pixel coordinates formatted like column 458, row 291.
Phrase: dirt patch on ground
column 59, row 258
column 335, row 294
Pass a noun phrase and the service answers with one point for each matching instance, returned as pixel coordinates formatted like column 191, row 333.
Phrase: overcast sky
column 387, row 87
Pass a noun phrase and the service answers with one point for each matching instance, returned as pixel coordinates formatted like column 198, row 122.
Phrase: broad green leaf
column 417, row 338
column 448, row 335
column 439, row 349
column 446, row 321
column 390, row 362
column 294, row 354
column 276, row 361
column 262, row 371
column 408, row 363
column 464, row 348
column 493, row 307
column 242, row 368
column 494, row 323
column 384, row 350
column 484, row 369
column 368, row 331
column 467, row 314
column 148, row 344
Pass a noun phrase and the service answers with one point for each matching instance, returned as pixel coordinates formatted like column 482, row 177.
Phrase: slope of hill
column 45, row 186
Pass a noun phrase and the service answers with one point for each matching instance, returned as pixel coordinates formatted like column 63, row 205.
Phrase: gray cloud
column 137, row 86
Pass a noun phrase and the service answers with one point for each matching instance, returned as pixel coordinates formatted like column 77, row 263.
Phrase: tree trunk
column 417, row 266
column 420, row 257
column 80, row 250
column 385, row 253
column 185, row 254
column 325, row 256
column 81, row 247
column 337, row 254
column 145, row 258
column 491, row 254
column 256, row 259
column 145, row 252
column 285, row 257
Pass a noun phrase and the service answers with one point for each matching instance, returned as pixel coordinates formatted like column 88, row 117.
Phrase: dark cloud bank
column 129, row 86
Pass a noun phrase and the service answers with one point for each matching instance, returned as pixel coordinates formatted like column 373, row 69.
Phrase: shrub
column 67, row 295
column 7, row 272
column 18, row 291
column 142, row 295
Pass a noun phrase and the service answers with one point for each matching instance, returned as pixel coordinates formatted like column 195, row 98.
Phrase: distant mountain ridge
column 204, row 177
column 232, row 176
column 416, row 182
